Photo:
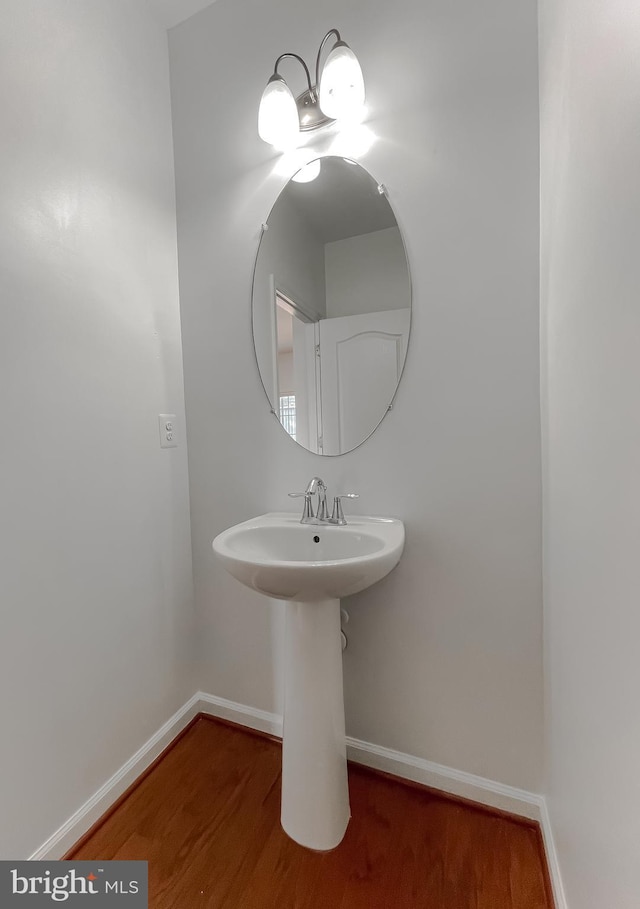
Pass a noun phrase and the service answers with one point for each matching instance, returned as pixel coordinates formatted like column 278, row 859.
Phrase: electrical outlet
column 168, row 432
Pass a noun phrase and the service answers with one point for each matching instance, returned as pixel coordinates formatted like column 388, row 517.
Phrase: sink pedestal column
column 315, row 793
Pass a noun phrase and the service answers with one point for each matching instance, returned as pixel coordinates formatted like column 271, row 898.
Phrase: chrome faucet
column 316, row 486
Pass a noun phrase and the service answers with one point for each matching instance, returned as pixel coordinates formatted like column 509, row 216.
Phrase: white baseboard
column 454, row 782
column 79, row 822
column 552, row 858
column 446, row 779
column 525, row 804
column 250, row 717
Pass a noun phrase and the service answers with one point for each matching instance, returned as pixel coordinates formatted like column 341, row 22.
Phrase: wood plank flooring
column 206, row 818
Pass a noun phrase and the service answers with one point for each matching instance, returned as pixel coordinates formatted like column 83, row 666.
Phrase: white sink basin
column 280, row 557
column 312, row 566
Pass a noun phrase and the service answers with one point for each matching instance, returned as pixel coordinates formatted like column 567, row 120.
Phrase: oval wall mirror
column 331, row 306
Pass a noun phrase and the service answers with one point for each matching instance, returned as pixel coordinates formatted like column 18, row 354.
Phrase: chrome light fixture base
column 309, row 112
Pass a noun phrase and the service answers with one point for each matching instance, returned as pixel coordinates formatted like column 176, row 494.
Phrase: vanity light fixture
column 337, row 94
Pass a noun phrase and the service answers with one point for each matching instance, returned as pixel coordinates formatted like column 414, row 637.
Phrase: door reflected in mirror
column 331, row 307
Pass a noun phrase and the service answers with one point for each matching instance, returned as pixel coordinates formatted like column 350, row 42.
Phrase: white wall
column 292, row 257
column 590, row 105
column 296, row 257
column 367, row 273
column 444, row 657
column 96, row 605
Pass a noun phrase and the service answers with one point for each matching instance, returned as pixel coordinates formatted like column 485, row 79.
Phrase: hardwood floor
column 207, row 820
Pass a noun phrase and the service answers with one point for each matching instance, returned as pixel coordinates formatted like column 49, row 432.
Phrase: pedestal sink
column 311, row 567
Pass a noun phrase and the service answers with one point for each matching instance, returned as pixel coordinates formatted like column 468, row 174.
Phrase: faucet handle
column 337, row 515
column 307, row 511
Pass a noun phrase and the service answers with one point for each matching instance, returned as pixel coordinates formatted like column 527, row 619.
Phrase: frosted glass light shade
column 341, row 84
column 278, row 122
